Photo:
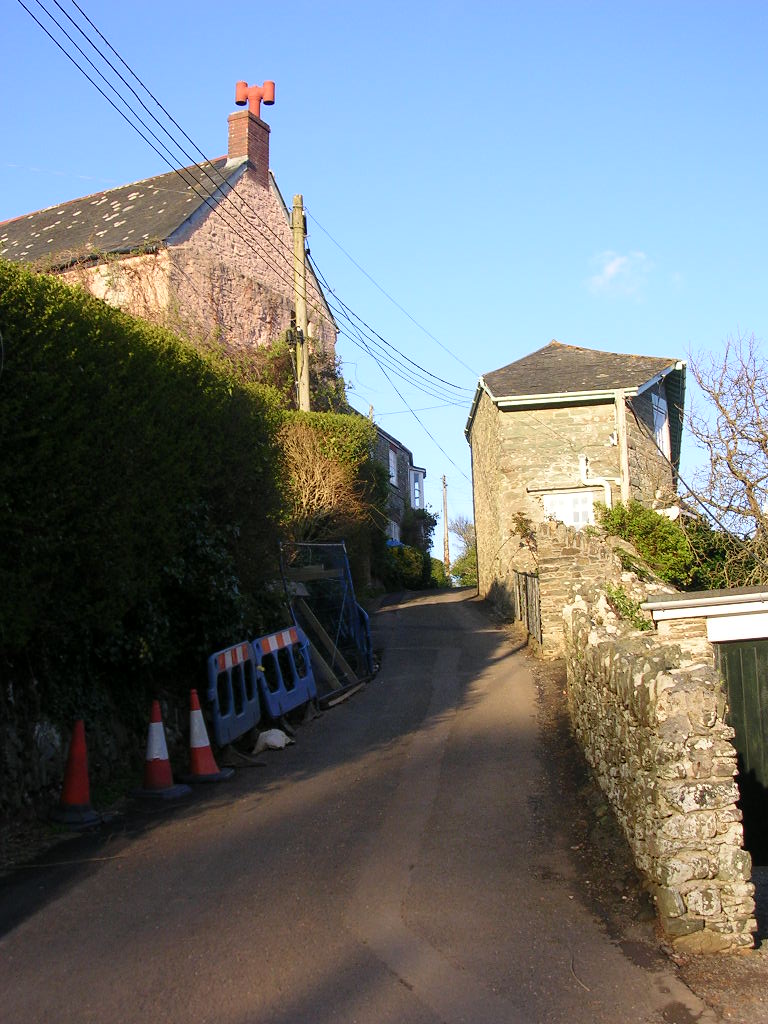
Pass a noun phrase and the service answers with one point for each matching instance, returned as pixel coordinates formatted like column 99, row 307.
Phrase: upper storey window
column 393, row 466
column 661, row 424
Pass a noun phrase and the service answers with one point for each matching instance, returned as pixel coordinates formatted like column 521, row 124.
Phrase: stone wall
column 138, row 284
column 572, row 562
column 651, row 477
column 650, row 720
column 492, row 558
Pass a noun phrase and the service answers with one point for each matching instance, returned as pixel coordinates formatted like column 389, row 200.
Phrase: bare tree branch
column 732, row 430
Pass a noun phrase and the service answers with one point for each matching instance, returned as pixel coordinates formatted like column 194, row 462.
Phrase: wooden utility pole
column 300, row 292
column 446, row 546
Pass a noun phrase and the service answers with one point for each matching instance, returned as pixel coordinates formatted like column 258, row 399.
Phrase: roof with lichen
column 558, row 369
column 567, row 375
column 130, row 218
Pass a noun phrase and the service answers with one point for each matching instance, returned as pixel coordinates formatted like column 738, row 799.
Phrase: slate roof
column 139, row 215
column 559, row 369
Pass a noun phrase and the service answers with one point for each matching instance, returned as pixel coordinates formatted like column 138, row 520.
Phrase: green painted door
column 744, row 666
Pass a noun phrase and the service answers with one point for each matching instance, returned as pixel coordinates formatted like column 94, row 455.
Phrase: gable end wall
column 239, row 281
column 652, row 480
column 213, row 281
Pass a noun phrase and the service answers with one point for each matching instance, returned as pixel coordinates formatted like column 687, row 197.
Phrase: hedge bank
column 140, row 506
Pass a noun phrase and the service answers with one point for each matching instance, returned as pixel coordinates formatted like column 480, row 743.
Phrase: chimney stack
column 248, row 134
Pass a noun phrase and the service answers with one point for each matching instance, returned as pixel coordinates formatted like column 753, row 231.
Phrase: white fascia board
column 481, row 387
column 752, row 626
column 688, row 607
column 679, row 365
column 562, row 398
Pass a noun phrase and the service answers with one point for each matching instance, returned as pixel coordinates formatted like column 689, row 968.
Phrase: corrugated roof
column 122, row 219
column 565, row 369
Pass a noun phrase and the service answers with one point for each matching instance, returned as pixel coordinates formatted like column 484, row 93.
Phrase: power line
column 426, row 408
column 361, row 340
column 222, row 177
column 354, row 315
column 178, row 126
column 189, row 181
column 417, row 378
column 391, row 299
column 433, row 385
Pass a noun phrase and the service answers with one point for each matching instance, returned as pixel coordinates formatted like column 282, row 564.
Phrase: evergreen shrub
column 139, row 503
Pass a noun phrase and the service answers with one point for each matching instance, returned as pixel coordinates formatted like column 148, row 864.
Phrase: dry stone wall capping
column 650, row 720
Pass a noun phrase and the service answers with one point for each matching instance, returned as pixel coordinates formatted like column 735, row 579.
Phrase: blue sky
column 508, row 172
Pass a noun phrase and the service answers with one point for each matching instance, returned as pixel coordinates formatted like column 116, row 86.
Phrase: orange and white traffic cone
column 158, row 778
column 202, row 763
column 74, row 807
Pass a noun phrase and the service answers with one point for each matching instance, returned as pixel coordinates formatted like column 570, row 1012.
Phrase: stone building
column 561, row 429
column 206, row 250
column 406, row 481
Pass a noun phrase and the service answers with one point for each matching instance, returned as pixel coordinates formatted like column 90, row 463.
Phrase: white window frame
column 393, row 466
column 574, row 507
column 417, row 488
column 661, row 423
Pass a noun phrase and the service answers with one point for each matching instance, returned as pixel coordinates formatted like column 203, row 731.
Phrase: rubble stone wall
column 650, row 719
column 571, row 562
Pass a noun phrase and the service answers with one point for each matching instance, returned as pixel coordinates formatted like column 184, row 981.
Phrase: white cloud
column 620, row 275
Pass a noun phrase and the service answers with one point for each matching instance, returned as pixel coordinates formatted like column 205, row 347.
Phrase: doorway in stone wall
column 744, row 667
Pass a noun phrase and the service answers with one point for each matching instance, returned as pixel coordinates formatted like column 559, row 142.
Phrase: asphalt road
column 390, row 867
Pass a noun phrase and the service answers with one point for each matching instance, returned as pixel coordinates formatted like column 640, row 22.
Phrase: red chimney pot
column 254, row 95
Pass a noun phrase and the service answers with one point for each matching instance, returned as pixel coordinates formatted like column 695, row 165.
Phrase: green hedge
column 346, row 438
column 138, row 500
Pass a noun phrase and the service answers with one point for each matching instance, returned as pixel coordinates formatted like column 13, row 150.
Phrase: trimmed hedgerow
column 139, row 503
column 347, row 438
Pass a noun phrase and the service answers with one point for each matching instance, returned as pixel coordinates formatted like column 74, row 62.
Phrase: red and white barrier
column 276, row 641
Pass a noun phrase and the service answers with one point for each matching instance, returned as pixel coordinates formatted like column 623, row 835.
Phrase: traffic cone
column 202, row 764
column 158, row 778
column 75, row 805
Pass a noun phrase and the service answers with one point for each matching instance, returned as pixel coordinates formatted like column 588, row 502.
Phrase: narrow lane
column 389, row 867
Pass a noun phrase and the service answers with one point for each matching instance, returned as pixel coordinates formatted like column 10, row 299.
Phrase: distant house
column 207, row 249
column 406, row 481
column 563, row 428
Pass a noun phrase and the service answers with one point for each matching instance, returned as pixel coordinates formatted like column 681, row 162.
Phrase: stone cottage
column 205, row 249
column 561, row 429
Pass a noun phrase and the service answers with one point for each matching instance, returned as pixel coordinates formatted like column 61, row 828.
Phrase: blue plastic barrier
column 284, row 670
column 233, row 693
column 365, row 646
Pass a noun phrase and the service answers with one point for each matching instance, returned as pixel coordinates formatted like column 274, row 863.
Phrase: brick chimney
column 249, row 136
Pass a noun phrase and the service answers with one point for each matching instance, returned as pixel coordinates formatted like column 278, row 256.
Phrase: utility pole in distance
column 446, row 547
column 298, row 224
